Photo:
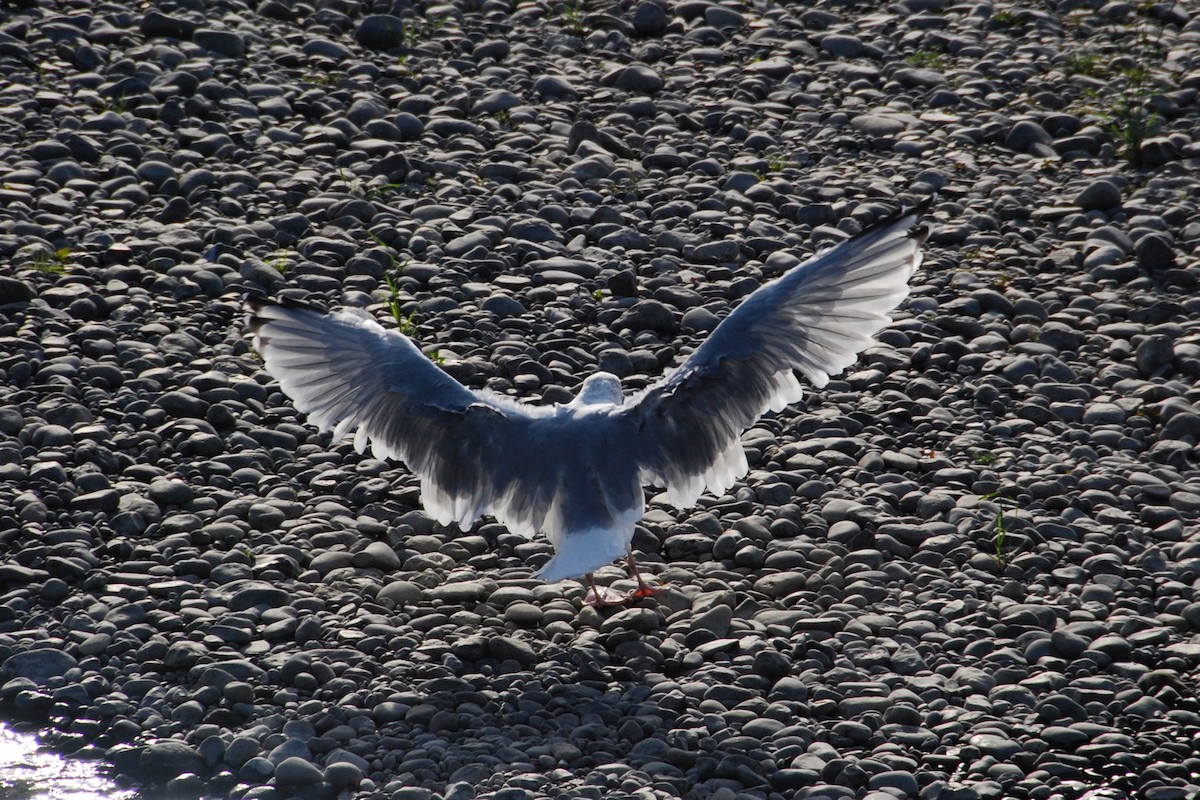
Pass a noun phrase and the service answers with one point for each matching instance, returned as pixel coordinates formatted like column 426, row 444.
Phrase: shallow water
column 29, row 771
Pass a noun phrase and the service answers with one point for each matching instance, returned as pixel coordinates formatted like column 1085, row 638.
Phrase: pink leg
column 643, row 589
column 600, row 598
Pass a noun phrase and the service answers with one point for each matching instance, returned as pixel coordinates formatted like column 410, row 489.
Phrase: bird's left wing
column 815, row 319
column 475, row 452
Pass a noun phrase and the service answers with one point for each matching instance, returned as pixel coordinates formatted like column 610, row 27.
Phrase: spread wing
column 815, row 319
column 476, row 452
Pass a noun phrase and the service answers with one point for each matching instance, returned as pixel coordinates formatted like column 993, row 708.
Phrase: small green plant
column 1008, row 19
column 118, row 104
column 598, row 295
column 984, row 457
column 780, row 158
column 393, row 261
column 52, row 263
column 927, row 59
column 280, row 261
column 378, row 191
column 503, row 116
column 415, row 28
column 629, row 184
column 436, row 357
column 1131, row 121
column 319, row 78
column 777, row 160
column 407, row 325
column 1000, row 549
column 574, row 15
column 977, row 251
column 1084, row 62
column 1001, row 539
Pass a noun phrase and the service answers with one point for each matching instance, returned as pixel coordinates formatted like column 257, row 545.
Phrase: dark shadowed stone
column 343, row 775
column 495, row 101
column 1099, row 195
column 100, row 500
column 637, row 78
column 1153, row 353
column 497, row 49
column 775, row 67
column 463, row 591
column 1025, row 134
column 914, row 76
column 904, row 783
column 380, row 32
column 326, row 48
column 184, row 654
column 554, row 86
column 506, row 647
column 649, row 315
column 296, row 771
column 877, row 125
column 14, row 291
column 502, row 306
column 650, row 19
column 161, row 761
column 156, row 23
column 227, row 43
column 842, row 45
column 1158, row 151
column 252, row 594
column 995, row 745
column 700, row 319
column 170, row 492
column 722, row 17
column 717, row 252
column 377, row 555
column 15, row 573
column 1155, row 252
column 39, row 666
column 533, row 230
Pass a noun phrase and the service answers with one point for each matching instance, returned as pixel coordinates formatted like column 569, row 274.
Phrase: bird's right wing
column 475, row 452
column 815, row 319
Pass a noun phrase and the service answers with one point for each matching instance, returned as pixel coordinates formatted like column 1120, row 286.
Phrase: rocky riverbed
column 967, row 568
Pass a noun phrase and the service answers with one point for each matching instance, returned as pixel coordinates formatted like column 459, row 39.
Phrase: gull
column 575, row 471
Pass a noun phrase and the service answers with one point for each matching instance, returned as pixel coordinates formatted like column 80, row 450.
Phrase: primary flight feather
column 575, row 471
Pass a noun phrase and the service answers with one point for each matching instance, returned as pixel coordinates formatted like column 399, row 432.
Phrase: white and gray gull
column 575, row 471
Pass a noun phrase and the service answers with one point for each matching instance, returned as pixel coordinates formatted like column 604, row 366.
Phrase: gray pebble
column 842, row 45
column 1099, row 195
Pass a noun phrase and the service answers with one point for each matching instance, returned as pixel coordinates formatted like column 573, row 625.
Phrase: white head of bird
column 601, row 388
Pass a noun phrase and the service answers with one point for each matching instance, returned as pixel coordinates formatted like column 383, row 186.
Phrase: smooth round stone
column 377, row 555
column 162, row 760
column 296, row 771
column 343, row 775
column 638, row 78
column 994, row 745
column 1025, row 134
column 40, row 666
column 1099, row 195
column 842, row 45
column 523, row 614
column 1104, row 414
column 553, row 86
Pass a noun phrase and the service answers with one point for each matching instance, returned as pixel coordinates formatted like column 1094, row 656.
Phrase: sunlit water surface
column 29, row 771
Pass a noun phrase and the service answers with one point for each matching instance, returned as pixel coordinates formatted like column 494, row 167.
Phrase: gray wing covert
column 815, row 319
column 475, row 453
